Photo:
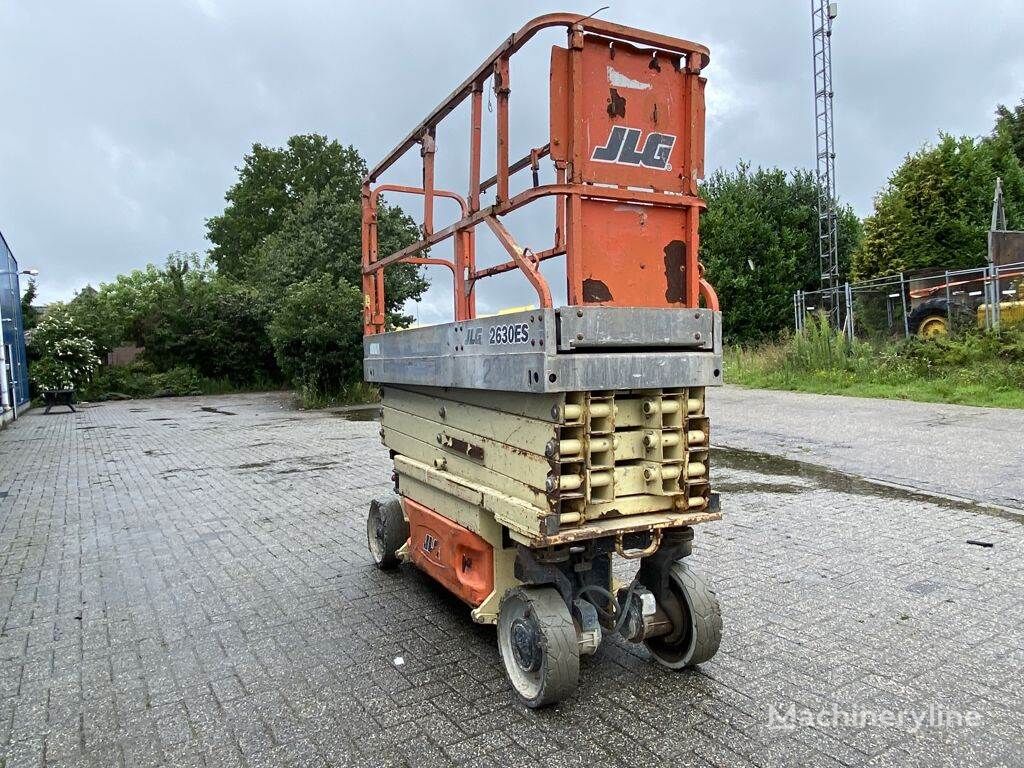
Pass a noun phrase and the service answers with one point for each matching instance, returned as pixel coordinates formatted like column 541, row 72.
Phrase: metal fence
column 922, row 303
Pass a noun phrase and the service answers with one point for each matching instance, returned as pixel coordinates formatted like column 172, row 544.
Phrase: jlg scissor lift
column 529, row 448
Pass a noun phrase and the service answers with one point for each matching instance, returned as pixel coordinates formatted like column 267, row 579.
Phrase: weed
column 974, row 368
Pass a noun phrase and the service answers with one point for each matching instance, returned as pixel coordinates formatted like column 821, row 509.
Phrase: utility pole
column 823, row 13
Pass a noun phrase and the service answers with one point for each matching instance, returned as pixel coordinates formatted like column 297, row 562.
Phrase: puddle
column 925, row 587
column 358, row 413
column 314, row 468
column 727, row 486
column 312, row 464
column 255, row 464
column 814, row 477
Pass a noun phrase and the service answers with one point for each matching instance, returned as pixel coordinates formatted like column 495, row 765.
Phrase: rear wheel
column 696, row 620
column 386, row 531
column 933, row 325
column 936, row 317
column 538, row 644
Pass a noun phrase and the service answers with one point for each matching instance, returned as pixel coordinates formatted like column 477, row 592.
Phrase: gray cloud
column 123, row 121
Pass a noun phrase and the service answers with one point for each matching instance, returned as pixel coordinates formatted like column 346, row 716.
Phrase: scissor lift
column 529, row 448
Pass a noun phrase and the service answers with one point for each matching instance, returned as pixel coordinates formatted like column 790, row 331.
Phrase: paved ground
column 972, row 453
column 185, row 582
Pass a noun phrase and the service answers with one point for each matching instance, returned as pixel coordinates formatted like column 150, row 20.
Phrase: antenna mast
column 822, row 15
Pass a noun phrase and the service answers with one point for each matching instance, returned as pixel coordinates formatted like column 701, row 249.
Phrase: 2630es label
column 511, row 333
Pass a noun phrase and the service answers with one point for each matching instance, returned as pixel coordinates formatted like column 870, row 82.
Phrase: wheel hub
column 526, row 644
column 934, row 326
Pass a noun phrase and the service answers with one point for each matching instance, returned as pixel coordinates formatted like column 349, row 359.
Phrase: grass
column 140, row 380
column 985, row 369
column 226, row 387
column 355, row 394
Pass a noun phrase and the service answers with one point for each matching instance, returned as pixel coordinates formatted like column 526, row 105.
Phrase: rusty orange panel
column 558, row 114
column 632, row 255
column 626, row 117
column 631, row 115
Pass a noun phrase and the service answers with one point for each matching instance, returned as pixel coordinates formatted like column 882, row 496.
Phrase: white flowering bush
column 65, row 357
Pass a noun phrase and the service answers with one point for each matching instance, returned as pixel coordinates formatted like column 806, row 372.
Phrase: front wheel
column 696, row 620
column 538, row 644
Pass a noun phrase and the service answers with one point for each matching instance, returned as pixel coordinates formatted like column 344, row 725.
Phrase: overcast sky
column 122, row 122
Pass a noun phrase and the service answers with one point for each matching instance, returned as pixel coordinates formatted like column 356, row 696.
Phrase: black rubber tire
column 700, row 609
column 955, row 315
column 558, row 671
column 386, row 531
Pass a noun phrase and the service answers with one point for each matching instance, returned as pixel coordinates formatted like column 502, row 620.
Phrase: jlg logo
column 621, row 147
column 429, row 544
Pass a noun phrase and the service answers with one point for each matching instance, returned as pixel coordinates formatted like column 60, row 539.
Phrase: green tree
column 323, row 236
column 286, row 249
column 295, row 212
column 936, row 207
column 184, row 314
column 272, row 183
column 1010, row 128
column 759, row 243
column 317, row 334
column 115, row 313
column 29, row 314
column 214, row 325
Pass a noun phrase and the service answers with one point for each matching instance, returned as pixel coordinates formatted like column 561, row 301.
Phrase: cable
column 620, row 613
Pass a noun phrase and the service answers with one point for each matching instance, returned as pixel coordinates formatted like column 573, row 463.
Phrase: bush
column 112, row 381
column 140, row 380
column 974, row 368
column 217, row 327
column 317, row 335
column 63, row 356
column 49, row 374
column 180, row 381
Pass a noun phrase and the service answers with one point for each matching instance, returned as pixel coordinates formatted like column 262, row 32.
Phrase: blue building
column 13, row 365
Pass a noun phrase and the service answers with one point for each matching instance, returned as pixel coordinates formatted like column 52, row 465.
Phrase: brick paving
column 185, row 582
column 954, row 450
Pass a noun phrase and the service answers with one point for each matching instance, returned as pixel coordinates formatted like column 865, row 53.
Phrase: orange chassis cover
column 455, row 556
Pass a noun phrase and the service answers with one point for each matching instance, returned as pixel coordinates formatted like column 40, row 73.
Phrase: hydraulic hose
column 620, row 613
